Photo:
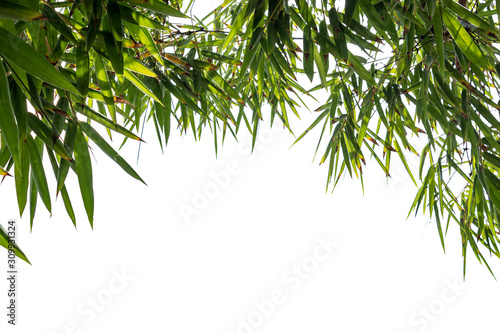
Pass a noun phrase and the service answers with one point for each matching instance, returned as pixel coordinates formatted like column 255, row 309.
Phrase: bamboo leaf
column 56, row 21
column 69, row 140
column 159, row 7
column 135, row 17
column 33, row 199
column 114, row 50
column 83, row 168
column 469, row 16
column 140, row 85
column 350, row 8
column 25, row 57
column 64, row 192
column 106, row 148
column 104, row 85
column 82, row 70
column 97, row 117
column 464, row 41
column 438, row 29
column 9, row 243
column 221, row 57
column 315, row 122
column 22, row 176
column 237, row 25
column 13, row 11
column 94, row 23
column 38, row 173
column 8, row 125
column 45, row 134
column 136, row 66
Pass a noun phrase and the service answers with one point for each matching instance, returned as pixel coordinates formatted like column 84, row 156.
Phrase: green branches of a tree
column 393, row 72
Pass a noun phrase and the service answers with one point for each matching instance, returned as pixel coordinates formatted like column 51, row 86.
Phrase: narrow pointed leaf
column 104, row 85
column 464, row 41
column 106, row 148
column 108, row 123
column 22, row 174
column 8, row 125
column 38, row 173
column 13, row 11
column 159, row 7
column 8, row 243
column 45, row 134
column 20, row 53
column 83, row 168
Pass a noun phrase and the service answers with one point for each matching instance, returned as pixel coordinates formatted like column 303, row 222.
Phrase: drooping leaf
column 8, row 125
column 14, row 11
column 464, row 41
column 83, row 168
column 38, row 173
column 106, row 148
column 21, row 54
column 10, row 244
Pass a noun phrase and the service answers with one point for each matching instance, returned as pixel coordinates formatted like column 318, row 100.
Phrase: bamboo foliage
column 394, row 71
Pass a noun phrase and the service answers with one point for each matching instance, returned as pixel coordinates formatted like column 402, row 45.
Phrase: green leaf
column 8, row 126
column 315, row 122
column 221, row 57
column 114, row 50
column 464, row 41
column 104, row 85
column 7, row 242
column 360, row 69
column 82, row 70
column 142, row 35
column 350, row 8
column 46, row 135
column 83, row 168
column 320, row 65
column 69, row 140
column 97, row 117
column 25, row 57
column 438, row 32
column 94, row 23
column 38, row 173
column 68, row 205
column 22, row 176
column 136, row 66
column 20, row 109
column 469, row 16
column 135, row 17
column 115, row 22
column 106, row 148
column 237, row 25
column 33, row 199
column 375, row 19
column 159, row 7
column 13, row 11
column 140, row 85
column 338, row 33
column 58, row 23
column 64, row 192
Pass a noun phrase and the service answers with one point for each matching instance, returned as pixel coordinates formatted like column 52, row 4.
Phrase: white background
column 207, row 274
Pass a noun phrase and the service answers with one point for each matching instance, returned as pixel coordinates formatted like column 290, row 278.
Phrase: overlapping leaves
column 395, row 72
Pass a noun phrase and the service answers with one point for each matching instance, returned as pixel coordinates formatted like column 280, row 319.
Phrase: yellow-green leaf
column 464, row 41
